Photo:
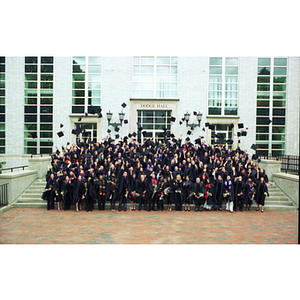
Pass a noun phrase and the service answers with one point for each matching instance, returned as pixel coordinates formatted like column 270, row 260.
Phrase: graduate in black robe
column 112, row 191
column 90, row 195
column 239, row 194
column 168, row 190
column 218, row 192
column 123, row 192
column 51, row 187
column 197, row 192
column 102, row 192
column 178, row 195
column 187, row 185
column 133, row 190
column 143, row 191
column 208, row 196
column 78, row 191
column 249, row 191
column 228, row 193
column 160, row 193
column 261, row 193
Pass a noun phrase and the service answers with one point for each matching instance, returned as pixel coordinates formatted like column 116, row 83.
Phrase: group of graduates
column 153, row 174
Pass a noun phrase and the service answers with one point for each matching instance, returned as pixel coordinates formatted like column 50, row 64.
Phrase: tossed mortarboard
column 123, row 104
column 60, row 134
column 117, row 136
column 165, row 129
column 207, row 124
column 198, row 141
column 57, row 152
column 117, row 129
column 211, row 127
column 108, row 131
column 254, row 157
column 172, row 135
column 229, row 141
column 254, row 147
column 180, row 122
column 219, row 126
column 61, row 125
column 33, row 135
column 188, row 139
column 240, row 125
column 63, row 148
column 74, row 131
column 99, row 115
column 144, row 133
column 230, row 126
column 189, row 132
column 134, row 134
column 140, row 128
column 244, row 133
column 80, row 118
column 129, row 135
column 125, row 138
column 203, row 129
column 125, row 121
column 174, row 140
column 172, row 119
column 68, row 143
column 182, row 119
column 195, row 113
column 239, row 134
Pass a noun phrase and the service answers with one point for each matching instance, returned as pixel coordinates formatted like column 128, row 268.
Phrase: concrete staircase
column 32, row 198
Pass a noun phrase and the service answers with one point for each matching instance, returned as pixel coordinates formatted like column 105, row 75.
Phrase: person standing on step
column 133, row 189
column 168, row 190
column 197, row 194
column 102, row 192
column 123, row 191
column 178, row 188
column 239, row 193
column 249, row 191
column 261, row 194
column 218, row 185
column 187, row 185
column 50, row 193
column 112, row 191
column 90, row 195
column 228, row 193
column 208, row 196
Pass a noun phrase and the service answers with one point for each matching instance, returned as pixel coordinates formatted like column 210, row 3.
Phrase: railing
column 3, row 194
column 289, row 163
column 13, row 168
column 41, row 155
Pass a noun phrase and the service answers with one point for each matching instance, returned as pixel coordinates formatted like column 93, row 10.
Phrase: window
column 38, row 105
column 223, row 86
column 86, row 83
column 271, row 96
column 154, row 77
column 2, row 105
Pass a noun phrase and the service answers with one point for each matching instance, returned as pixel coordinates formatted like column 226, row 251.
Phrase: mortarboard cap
column 230, row 126
column 57, row 152
column 33, row 135
column 211, row 127
column 254, row 156
column 80, row 118
column 172, row 135
column 60, row 134
column 189, row 132
column 174, row 140
column 239, row 134
column 99, row 115
column 61, row 125
column 188, row 139
column 129, row 135
column 63, row 148
column 140, row 128
column 117, row 129
column 254, row 147
column 144, row 133
column 123, row 104
column 165, row 129
column 182, row 119
column 74, row 131
column 172, row 119
column 219, row 126
column 244, row 133
column 229, row 141
column 134, row 134
column 68, row 143
column 195, row 113
column 206, row 124
column 240, row 125
column 108, row 131
column 125, row 121
column 198, row 141
column 203, row 129
column 180, row 122
column 117, row 136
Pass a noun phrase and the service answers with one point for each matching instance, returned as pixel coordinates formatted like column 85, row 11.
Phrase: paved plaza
column 39, row 226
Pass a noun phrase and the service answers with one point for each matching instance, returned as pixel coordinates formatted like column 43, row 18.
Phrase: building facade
column 39, row 93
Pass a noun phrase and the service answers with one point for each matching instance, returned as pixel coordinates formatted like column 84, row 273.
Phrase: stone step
column 30, row 205
column 30, row 200
column 277, row 198
column 289, row 203
column 31, row 196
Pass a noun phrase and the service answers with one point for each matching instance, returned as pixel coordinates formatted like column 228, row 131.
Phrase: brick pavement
column 39, row 226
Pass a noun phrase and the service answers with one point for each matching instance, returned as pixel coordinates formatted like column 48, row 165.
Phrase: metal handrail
column 21, row 167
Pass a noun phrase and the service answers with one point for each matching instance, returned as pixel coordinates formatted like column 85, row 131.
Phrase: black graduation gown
column 209, row 190
column 218, row 193
column 260, row 193
column 187, row 185
column 178, row 197
column 90, row 196
column 248, row 193
column 78, row 191
column 168, row 188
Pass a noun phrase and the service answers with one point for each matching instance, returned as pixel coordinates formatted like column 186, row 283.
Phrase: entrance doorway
column 224, row 132
column 90, row 131
column 154, row 122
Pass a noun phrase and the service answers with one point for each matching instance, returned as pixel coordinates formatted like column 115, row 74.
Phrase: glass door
column 90, row 131
column 224, row 134
column 154, row 122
